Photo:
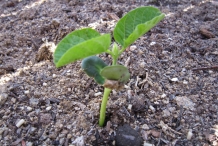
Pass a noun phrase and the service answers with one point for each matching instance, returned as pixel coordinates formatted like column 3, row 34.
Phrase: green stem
column 105, row 98
column 103, row 106
column 114, row 60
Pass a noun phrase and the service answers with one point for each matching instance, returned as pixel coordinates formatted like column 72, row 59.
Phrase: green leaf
column 80, row 44
column 116, row 72
column 92, row 66
column 136, row 23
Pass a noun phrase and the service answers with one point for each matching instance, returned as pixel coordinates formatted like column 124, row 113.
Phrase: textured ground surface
column 171, row 99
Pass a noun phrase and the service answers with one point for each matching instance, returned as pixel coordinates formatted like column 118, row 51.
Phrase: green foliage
column 92, row 66
column 84, row 43
column 136, row 23
column 80, row 44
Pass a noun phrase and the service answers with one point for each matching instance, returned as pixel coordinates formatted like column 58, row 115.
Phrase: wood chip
column 113, row 16
column 206, row 33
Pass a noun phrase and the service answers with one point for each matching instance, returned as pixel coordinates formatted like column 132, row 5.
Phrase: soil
column 171, row 98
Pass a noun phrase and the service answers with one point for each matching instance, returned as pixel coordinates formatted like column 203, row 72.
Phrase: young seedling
column 85, row 43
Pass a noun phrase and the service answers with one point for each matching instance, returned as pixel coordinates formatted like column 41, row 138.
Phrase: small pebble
column 56, row 21
column 48, row 108
column 61, row 141
column 145, row 126
column 147, row 144
column 54, row 75
column 60, row 125
column 13, row 100
column 163, row 95
column 210, row 71
column 29, row 108
column 174, row 79
column 2, row 130
column 127, row 136
column 79, row 141
column 20, row 122
column 29, row 143
column 142, row 64
column 98, row 94
column 26, row 92
column 130, row 107
column 185, row 82
column 132, row 48
column 33, row 101
column 32, row 130
column 3, row 98
column 77, row 108
column 69, row 136
column 190, row 134
column 152, row 108
column 44, row 84
column 152, row 43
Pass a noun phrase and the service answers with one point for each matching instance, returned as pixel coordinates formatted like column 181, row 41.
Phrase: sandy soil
column 171, row 98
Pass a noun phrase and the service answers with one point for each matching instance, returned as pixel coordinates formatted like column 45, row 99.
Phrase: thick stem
column 103, row 106
column 114, row 60
column 107, row 91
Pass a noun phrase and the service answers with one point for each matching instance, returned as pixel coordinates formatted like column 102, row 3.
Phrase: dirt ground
column 171, row 98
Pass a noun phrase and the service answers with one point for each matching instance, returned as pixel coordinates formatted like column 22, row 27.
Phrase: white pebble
column 20, row 122
column 3, row 98
column 147, row 144
column 44, row 84
column 29, row 108
column 190, row 134
column 79, row 141
column 210, row 71
column 26, row 92
column 163, row 95
column 48, row 108
column 13, row 100
column 54, row 75
column 130, row 107
column 98, row 94
column 29, row 143
column 145, row 126
column 185, row 82
column 152, row 108
column 142, row 64
column 152, row 43
column 132, row 48
column 174, row 79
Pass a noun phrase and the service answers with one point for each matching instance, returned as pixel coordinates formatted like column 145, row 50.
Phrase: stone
column 33, row 101
column 29, row 143
column 185, row 102
column 20, row 122
column 3, row 98
column 127, row 136
column 79, row 141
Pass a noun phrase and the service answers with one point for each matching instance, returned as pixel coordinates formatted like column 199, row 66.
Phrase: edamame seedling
column 86, row 43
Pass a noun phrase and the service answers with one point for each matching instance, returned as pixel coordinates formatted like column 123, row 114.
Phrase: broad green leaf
column 136, row 23
column 116, row 72
column 80, row 44
column 92, row 66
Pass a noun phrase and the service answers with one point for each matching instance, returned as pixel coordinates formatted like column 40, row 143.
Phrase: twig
column 205, row 68
column 159, row 138
column 145, row 80
column 7, row 68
